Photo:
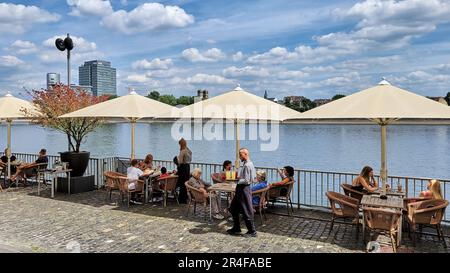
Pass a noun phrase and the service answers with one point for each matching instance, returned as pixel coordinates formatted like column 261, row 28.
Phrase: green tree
column 110, row 97
column 185, row 100
column 154, row 95
column 168, row 99
column 337, row 96
column 447, row 98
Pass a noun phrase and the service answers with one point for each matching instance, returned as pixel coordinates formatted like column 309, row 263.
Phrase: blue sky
column 310, row 48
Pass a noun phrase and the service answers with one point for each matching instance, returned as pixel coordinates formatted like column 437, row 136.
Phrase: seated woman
column 434, row 190
column 227, row 173
column 201, row 185
column 261, row 184
column 147, row 163
column 4, row 160
column 31, row 169
column 287, row 175
column 365, row 181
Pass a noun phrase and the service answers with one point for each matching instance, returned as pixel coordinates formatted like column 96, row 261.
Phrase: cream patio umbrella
column 12, row 108
column 382, row 104
column 131, row 107
column 239, row 106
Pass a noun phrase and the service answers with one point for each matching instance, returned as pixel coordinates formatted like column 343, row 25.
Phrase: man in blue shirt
column 242, row 201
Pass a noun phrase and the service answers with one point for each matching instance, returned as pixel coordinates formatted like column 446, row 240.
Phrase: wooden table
column 389, row 193
column 392, row 202
column 220, row 187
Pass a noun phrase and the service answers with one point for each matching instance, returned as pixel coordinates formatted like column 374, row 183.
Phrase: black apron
column 184, row 174
column 242, row 202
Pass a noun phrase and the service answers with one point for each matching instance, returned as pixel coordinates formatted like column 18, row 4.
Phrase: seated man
column 287, row 175
column 196, row 182
column 30, row 169
column 261, row 184
column 133, row 174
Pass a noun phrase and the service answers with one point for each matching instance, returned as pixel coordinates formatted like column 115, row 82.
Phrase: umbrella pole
column 133, row 129
column 8, row 148
column 383, row 171
column 236, row 130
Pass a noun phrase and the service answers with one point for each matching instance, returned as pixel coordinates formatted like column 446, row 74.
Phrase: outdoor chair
column 343, row 206
column 349, row 191
column 427, row 213
column 283, row 193
column 260, row 207
column 169, row 186
column 34, row 170
column 112, row 183
column 126, row 192
column 195, row 196
column 383, row 221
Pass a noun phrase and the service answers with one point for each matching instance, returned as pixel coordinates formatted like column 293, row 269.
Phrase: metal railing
column 309, row 189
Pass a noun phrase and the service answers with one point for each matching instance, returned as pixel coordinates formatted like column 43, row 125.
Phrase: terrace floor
column 88, row 223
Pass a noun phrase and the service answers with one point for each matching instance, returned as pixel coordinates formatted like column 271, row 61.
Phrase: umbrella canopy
column 131, row 107
column 382, row 104
column 12, row 108
column 238, row 105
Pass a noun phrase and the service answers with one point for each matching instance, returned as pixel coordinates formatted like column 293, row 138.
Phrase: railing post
column 298, row 189
column 406, row 186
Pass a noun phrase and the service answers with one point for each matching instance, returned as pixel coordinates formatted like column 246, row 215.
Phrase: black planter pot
column 78, row 162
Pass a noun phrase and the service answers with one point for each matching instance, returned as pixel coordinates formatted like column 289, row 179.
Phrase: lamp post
column 62, row 45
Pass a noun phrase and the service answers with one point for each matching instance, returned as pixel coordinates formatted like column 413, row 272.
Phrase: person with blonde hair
column 196, row 182
column 182, row 161
column 434, row 190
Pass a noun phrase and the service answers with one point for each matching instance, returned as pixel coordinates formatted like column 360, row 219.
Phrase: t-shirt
column 282, row 182
column 133, row 175
column 42, row 159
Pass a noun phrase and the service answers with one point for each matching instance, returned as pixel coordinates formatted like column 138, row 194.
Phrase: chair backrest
column 284, row 190
column 382, row 219
column 216, row 178
column 342, row 205
column 170, row 182
column 112, row 179
column 195, row 194
column 428, row 212
column 349, row 191
column 124, row 182
column 262, row 193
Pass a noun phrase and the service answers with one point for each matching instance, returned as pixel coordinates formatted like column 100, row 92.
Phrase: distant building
column 53, row 79
column 201, row 95
column 267, row 98
column 86, row 88
column 320, row 102
column 439, row 99
column 100, row 75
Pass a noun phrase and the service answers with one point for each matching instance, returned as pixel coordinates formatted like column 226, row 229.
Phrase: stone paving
column 88, row 223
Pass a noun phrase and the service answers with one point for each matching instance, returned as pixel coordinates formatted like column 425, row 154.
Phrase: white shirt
column 134, row 173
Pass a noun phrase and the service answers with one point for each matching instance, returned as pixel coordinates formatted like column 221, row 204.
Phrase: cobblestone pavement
column 88, row 223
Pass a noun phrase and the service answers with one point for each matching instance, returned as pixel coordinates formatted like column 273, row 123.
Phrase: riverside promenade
column 86, row 222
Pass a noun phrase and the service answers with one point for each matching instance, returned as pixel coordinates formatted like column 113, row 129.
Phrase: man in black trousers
column 242, row 201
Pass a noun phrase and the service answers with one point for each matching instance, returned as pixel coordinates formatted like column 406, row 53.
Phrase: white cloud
column 273, row 56
column 347, row 80
column 147, row 17
column 19, row 18
column 155, row 64
column 210, row 55
column 421, row 77
column 22, row 47
column 238, row 56
column 313, row 69
column 291, row 74
column 90, row 7
column 247, row 71
column 208, row 79
column 10, row 61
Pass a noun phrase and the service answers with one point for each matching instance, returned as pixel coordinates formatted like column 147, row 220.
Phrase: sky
column 307, row 48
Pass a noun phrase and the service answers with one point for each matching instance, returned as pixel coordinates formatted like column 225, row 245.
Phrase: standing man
column 242, row 201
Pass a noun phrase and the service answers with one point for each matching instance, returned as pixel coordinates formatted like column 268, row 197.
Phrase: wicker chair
column 197, row 197
column 282, row 192
column 112, row 183
column 343, row 206
column 126, row 192
column 170, row 184
column 349, row 191
column 262, row 193
column 429, row 213
column 383, row 221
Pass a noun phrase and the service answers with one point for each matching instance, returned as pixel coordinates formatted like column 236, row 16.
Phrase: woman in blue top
column 261, row 184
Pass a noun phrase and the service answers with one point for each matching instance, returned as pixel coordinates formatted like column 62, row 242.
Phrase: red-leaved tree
column 60, row 100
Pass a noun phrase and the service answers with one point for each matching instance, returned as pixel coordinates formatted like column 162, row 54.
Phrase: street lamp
column 62, row 45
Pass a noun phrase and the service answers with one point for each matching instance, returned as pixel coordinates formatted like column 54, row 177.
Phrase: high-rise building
column 53, row 79
column 100, row 75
